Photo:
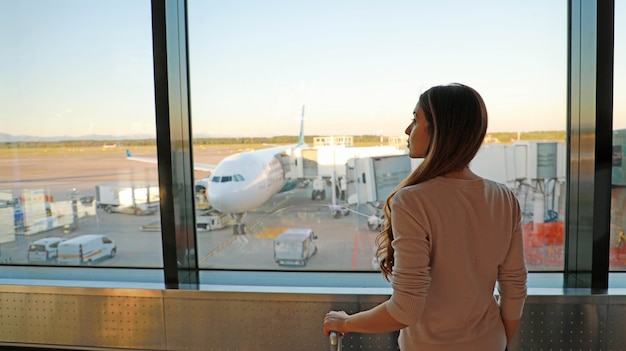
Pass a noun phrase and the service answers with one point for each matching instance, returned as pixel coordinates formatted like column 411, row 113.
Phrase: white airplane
column 244, row 181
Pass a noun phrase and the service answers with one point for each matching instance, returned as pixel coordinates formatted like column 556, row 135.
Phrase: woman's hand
column 335, row 321
column 374, row 321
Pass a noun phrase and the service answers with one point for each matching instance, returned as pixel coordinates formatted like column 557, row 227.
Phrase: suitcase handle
column 335, row 341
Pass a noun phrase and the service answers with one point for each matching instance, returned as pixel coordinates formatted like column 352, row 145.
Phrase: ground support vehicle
column 128, row 198
column 294, row 246
column 86, row 249
column 210, row 220
column 319, row 189
column 43, row 250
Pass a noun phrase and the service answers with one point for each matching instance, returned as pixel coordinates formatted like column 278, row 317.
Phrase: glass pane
column 77, row 92
column 617, row 258
column 352, row 73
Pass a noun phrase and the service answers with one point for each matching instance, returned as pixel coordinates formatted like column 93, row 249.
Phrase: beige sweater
column 453, row 240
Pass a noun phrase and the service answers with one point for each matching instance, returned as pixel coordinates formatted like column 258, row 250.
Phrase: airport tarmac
column 59, row 171
column 344, row 243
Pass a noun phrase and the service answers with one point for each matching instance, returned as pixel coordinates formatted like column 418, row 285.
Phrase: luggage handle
column 335, row 341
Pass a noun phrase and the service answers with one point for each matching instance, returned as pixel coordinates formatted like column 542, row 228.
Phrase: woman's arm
column 376, row 320
column 510, row 328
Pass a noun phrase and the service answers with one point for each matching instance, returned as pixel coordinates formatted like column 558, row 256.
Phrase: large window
column 77, row 94
column 352, row 73
column 617, row 252
column 330, row 85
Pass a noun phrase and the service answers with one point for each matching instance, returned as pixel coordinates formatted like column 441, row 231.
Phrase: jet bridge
column 328, row 161
column 371, row 180
column 534, row 170
column 326, row 165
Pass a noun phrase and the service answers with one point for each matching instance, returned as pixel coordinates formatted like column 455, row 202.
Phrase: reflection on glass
column 617, row 251
column 336, row 83
column 78, row 93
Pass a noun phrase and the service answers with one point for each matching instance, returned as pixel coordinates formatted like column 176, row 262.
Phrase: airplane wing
column 277, row 145
column 196, row 167
column 203, row 167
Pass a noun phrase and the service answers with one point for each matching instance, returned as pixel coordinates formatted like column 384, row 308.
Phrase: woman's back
column 453, row 239
column 448, row 237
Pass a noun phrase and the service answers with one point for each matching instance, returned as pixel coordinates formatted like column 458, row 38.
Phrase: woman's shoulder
column 441, row 185
column 502, row 191
column 421, row 187
column 417, row 191
column 497, row 186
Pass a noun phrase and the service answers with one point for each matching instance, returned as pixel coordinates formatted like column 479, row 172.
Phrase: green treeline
column 508, row 137
column 285, row 139
column 359, row 140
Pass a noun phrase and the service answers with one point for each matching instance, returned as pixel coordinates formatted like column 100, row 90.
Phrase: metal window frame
column 174, row 142
column 590, row 129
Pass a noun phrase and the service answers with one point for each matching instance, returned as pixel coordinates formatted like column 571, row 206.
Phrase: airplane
column 244, row 181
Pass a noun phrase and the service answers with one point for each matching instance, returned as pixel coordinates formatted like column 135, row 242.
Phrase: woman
column 449, row 236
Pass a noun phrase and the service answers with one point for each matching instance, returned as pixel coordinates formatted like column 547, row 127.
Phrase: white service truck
column 128, row 198
column 294, row 246
column 85, row 249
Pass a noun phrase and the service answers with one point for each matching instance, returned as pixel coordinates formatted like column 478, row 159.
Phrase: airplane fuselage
column 243, row 182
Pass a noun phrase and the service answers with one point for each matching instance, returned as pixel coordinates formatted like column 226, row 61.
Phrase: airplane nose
column 231, row 199
column 227, row 200
column 220, row 202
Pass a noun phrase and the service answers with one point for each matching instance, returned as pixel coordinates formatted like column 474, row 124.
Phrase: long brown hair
column 457, row 120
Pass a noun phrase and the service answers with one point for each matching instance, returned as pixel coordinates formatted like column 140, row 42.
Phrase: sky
column 76, row 67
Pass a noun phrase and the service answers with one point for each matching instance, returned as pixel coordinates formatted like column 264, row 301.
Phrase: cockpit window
column 225, row 179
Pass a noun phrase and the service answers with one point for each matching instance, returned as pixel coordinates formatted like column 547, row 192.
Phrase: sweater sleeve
column 512, row 274
column 411, row 270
